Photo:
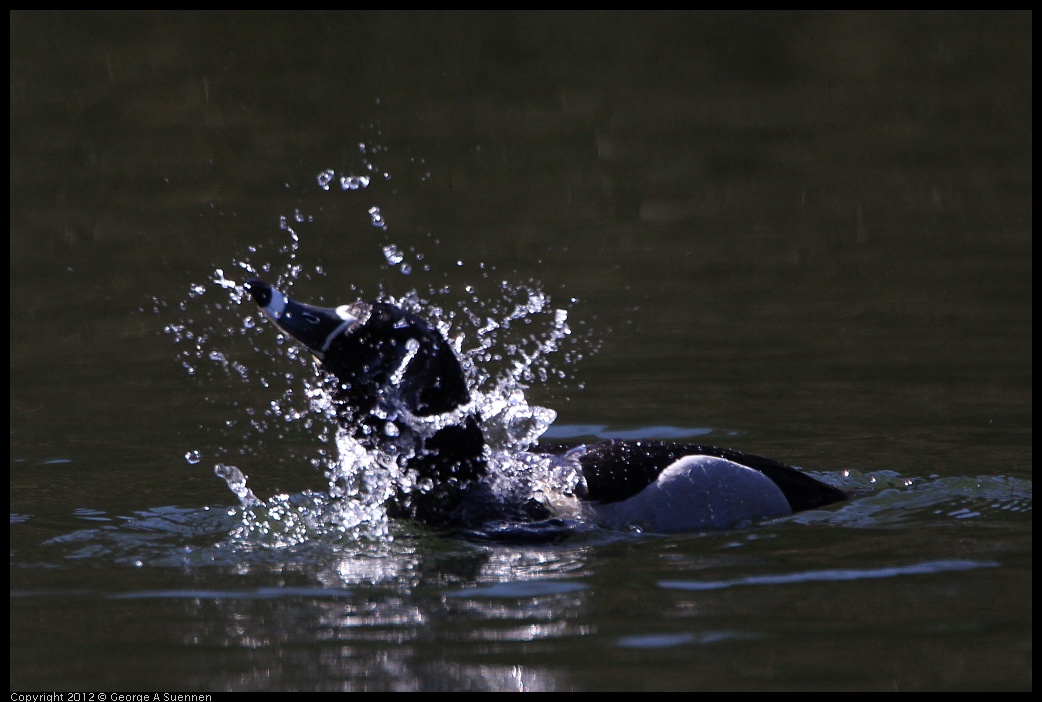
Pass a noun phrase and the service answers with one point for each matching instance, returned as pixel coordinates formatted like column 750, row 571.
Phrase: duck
column 398, row 386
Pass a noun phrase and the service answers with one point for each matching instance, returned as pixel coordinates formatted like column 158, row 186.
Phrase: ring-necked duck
column 397, row 383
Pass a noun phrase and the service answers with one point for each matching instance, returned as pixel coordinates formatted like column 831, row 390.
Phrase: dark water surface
column 806, row 236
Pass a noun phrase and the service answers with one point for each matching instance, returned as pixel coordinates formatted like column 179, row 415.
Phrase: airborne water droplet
column 376, row 218
column 354, row 182
column 325, row 177
column 393, row 254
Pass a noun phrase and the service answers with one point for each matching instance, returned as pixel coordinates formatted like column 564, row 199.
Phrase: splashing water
column 505, row 343
column 359, row 482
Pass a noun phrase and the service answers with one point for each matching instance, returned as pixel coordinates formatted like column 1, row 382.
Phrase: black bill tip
column 260, row 291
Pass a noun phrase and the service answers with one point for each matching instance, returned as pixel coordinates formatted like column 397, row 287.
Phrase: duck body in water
column 399, row 388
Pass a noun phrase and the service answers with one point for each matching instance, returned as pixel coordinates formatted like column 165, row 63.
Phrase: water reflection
column 377, row 613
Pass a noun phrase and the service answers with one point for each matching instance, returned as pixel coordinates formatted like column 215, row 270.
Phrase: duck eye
column 310, row 318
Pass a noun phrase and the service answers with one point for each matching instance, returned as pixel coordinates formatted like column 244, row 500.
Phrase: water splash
column 237, row 482
column 505, row 341
column 508, row 336
column 360, row 482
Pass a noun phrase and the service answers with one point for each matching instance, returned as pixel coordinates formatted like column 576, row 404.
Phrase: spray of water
column 506, row 343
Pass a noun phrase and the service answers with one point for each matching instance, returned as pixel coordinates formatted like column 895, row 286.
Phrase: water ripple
column 830, row 575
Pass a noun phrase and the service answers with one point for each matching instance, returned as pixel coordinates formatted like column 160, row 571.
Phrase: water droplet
column 393, row 254
column 224, row 282
column 325, row 177
column 376, row 218
column 354, row 182
column 193, row 457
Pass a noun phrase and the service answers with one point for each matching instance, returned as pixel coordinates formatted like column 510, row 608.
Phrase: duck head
column 386, row 368
column 376, row 352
